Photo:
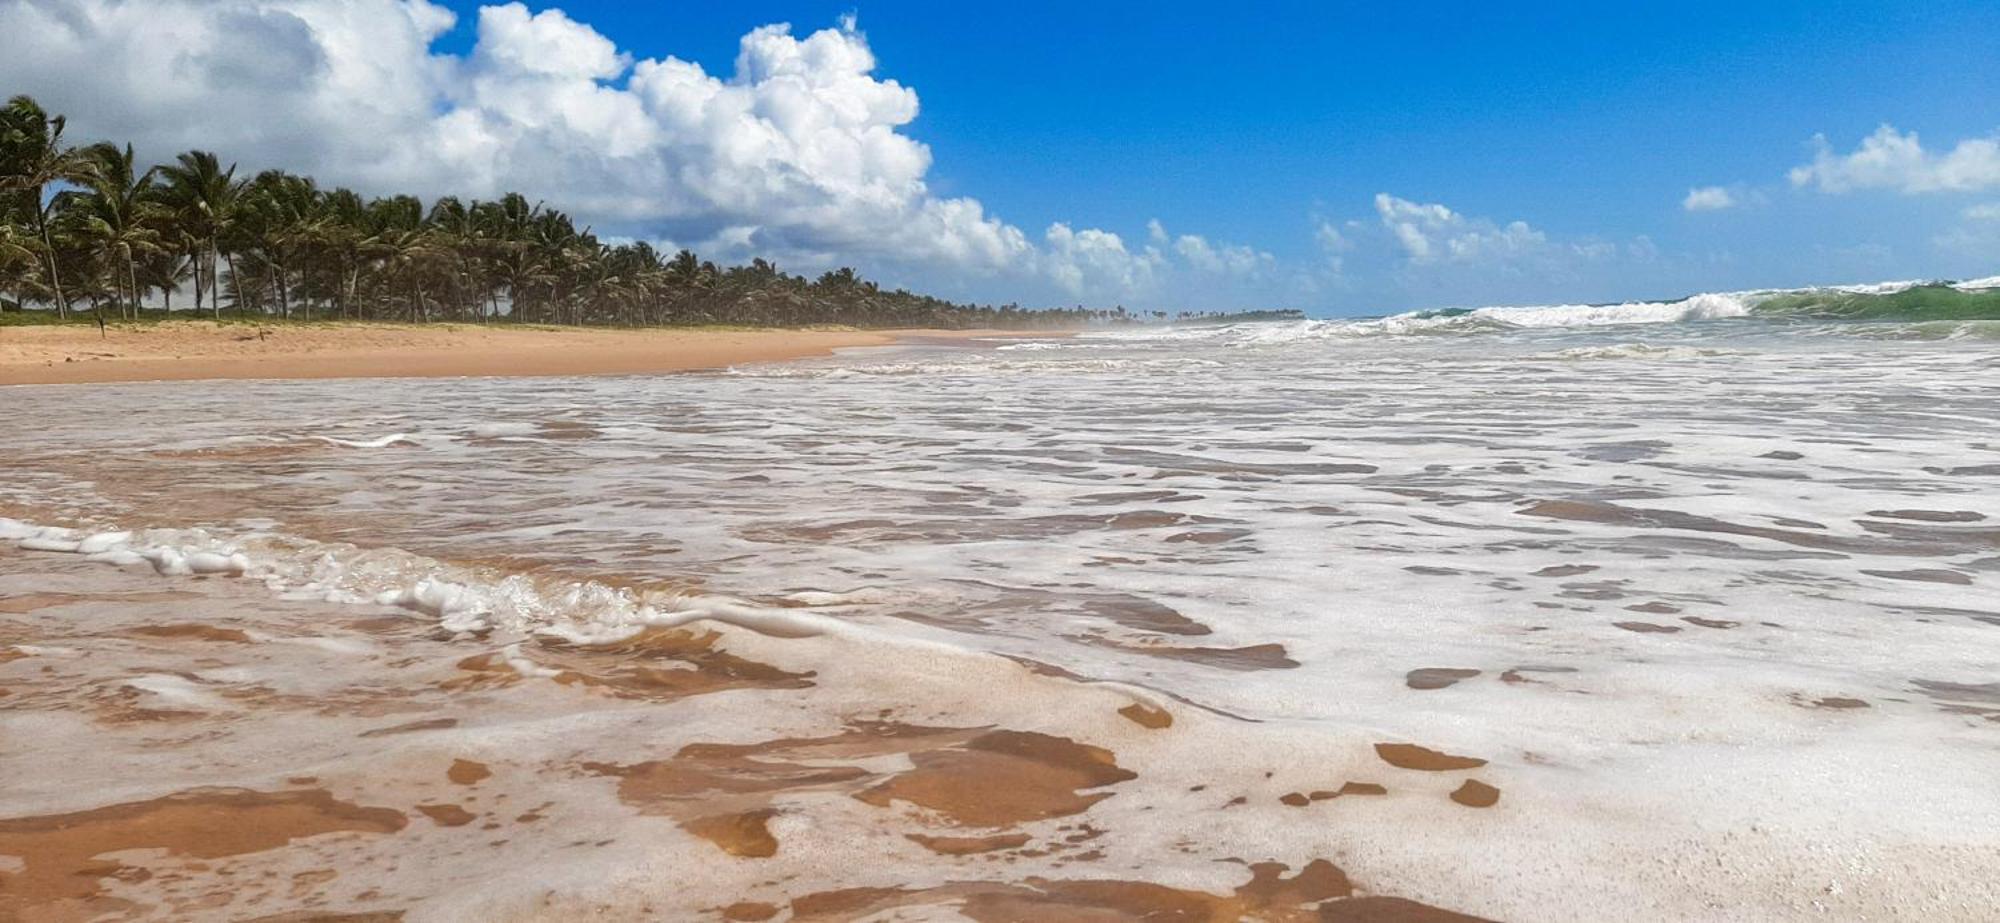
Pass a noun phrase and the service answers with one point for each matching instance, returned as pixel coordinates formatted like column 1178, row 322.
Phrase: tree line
column 88, row 228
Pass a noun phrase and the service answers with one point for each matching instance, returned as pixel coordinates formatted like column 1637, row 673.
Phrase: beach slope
column 196, row 350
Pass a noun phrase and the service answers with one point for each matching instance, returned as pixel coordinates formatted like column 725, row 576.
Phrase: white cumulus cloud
column 801, row 153
column 1092, row 259
column 1433, row 233
column 1889, row 159
column 1708, row 199
column 1220, row 259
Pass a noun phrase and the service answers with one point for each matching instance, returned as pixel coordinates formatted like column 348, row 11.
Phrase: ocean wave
column 1441, row 323
column 461, row 598
column 1639, row 351
column 1934, row 301
column 1716, row 306
column 1906, row 301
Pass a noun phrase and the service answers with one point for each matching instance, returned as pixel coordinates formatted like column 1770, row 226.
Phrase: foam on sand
column 1467, row 622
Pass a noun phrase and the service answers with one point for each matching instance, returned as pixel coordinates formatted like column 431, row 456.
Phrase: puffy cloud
column 1414, row 253
column 1432, row 233
column 303, row 83
column 1985, row 211
column 513, row 41
column 1889, row 159
column 1221, row 259
column 800, row 154
column 1095, row 260
column 1708, row 199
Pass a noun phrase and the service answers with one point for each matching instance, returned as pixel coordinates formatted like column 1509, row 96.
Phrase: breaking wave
column 1952, row 310
column 460, row 598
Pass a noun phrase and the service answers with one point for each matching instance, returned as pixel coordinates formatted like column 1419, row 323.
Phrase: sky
column 1339, row 158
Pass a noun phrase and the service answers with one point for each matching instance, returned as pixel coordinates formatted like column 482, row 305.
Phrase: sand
column 204, row 750
column 197, row 350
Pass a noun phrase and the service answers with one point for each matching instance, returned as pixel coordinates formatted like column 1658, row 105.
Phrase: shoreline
column 195, row 350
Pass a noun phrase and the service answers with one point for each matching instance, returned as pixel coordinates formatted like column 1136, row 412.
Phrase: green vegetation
column 1206, row 318
column 1920, row 303
column 88, row 228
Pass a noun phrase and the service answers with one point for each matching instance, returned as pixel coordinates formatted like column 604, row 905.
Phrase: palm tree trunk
column 347, row 301
column 132, row 277
column 49, row 246
column 284, row 294
column 200, row 283
column 236, row 283
column 128, row 292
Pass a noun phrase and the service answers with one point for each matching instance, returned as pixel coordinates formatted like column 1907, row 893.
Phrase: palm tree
column 344, row 242
column 19, row 258
column 113, row 210
column 405, row 246
column 508, row 224
column 33, row 158
column 458, row 232
column 204, row 198
column 111, row 233
column 283, row 217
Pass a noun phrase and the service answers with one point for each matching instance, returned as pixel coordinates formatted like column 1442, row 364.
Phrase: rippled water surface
column 1695, row 619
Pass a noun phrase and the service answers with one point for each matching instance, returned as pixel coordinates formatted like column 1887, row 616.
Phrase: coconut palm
column 343, row 244
column 282, row 217
column 20, row 262
column 203, row 198
column 405, row 247
column 33, row 157
column 113, row 212
column 112, row 233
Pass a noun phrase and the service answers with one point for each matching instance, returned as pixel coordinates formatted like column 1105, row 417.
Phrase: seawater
column 1674, row 612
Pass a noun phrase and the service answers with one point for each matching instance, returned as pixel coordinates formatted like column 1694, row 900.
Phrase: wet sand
column 203, row 750
column 1061, row 630
column 200, row 350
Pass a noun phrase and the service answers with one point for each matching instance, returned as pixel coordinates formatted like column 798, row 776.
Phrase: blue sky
column 1585, row 120
column 1341, row 158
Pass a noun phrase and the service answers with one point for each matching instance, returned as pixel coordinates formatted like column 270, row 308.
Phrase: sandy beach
column 199, row 350
column 1195, row 624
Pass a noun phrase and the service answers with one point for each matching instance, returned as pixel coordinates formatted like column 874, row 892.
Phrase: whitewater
column 1669, row 610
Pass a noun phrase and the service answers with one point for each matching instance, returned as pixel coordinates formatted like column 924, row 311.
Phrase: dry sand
column 193, row 350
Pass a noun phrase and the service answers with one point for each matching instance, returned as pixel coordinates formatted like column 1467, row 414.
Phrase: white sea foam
column 460, row 599
column 1274, row 533
column 504, row 428
column 1641, row 351
column 1709, row 306
column 379, row 442
column 1425, row 324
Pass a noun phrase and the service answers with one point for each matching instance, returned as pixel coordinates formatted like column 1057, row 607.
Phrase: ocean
column 1677, row 610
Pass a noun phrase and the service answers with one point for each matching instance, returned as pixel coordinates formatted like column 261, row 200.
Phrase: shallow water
column 1690, row 620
